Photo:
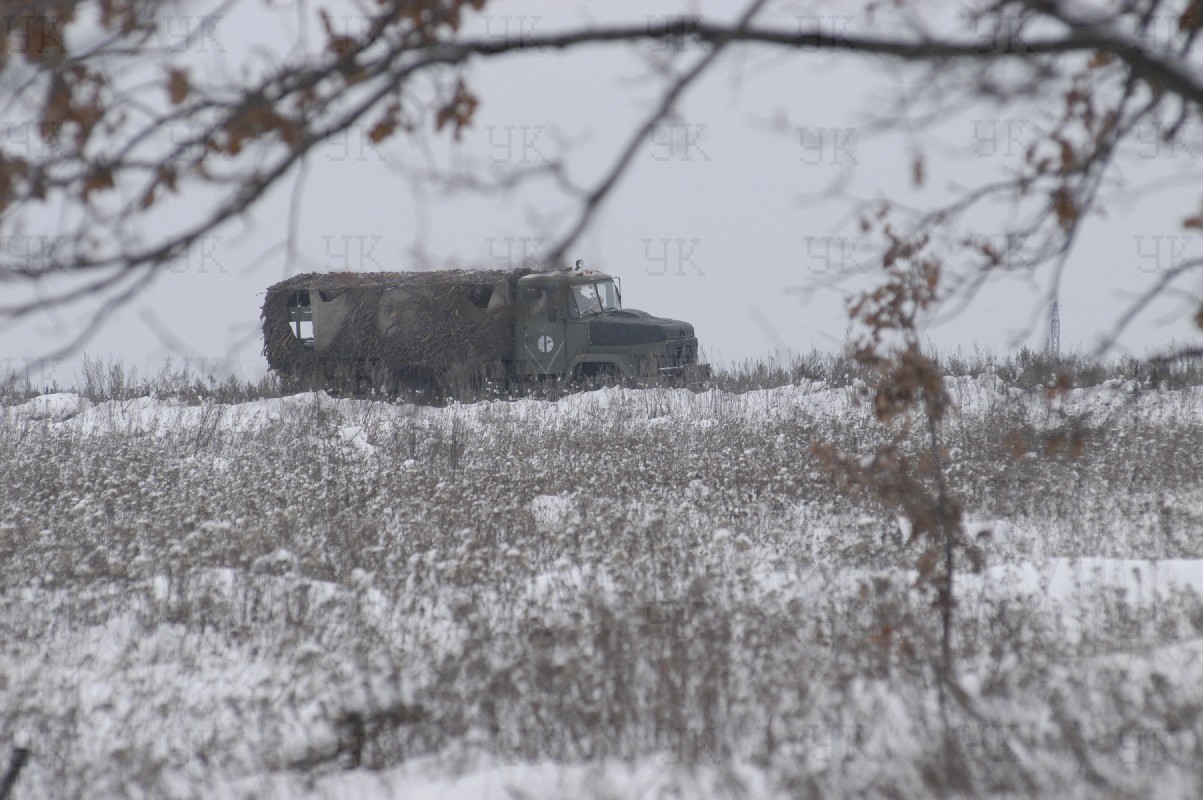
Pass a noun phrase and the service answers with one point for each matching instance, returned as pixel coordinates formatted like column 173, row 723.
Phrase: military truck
column 453, row 330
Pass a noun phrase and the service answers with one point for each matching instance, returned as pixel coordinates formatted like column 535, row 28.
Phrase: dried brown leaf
column 56, row 108
column 1069, row 158
column 387, row 124
column 927, row 563
column 99, row 179
column 1064, row 207
column 1191, row 18
column 178, row 85
column 458, row 111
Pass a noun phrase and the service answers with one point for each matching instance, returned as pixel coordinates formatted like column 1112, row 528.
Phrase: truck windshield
column 593, row 298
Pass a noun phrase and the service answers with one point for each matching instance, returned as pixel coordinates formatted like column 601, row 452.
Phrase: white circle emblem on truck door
column 546, row 343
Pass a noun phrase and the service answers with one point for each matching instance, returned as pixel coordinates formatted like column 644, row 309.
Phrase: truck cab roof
column 569, row 277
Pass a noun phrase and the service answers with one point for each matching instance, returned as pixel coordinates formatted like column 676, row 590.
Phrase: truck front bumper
column 688, row 373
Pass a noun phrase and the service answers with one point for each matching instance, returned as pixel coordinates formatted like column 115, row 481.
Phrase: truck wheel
column 553, row 387
column 464, row 381
column 594, row 375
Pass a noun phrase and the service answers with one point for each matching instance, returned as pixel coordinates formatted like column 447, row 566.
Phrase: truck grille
column 681, row 352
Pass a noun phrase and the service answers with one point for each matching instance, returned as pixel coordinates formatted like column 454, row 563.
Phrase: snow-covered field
column 622, row 594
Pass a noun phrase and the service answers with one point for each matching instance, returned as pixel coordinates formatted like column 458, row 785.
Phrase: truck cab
column 571, row 323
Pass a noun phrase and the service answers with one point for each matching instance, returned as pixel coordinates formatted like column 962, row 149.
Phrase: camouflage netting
column 396, row 323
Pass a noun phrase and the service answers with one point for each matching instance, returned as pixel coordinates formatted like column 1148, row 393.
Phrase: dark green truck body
column 461, row 327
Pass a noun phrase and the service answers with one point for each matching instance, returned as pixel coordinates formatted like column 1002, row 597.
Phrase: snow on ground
column 465, row 780
column 329, row 598
column 972, row 395
column 54, row 407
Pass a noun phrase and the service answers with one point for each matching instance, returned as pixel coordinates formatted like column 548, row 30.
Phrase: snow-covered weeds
column 620, row 593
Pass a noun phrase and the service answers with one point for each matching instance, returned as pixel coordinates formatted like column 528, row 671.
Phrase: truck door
column 542, row 341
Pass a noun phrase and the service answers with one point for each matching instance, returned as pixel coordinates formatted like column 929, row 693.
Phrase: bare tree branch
column 1110, row 70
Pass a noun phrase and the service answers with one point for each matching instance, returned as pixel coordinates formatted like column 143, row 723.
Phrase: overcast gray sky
column 718, row 222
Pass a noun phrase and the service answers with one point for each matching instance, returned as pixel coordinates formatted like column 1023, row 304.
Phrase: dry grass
column 100, row 380
column 615, row 575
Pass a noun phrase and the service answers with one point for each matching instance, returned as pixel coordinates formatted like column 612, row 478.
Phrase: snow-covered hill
column 624, row 593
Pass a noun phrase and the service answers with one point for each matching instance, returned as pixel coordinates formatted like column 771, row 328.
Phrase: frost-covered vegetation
column 621, row 593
